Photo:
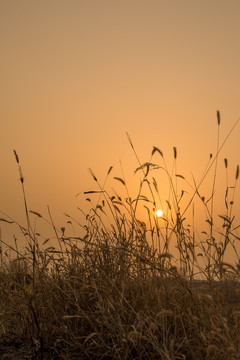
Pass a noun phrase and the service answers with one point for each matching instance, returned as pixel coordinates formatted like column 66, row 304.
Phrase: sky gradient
column 76, row 75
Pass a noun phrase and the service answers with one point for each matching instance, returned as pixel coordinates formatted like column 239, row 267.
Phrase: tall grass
column 126, row 288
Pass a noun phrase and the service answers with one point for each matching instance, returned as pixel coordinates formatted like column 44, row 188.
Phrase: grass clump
column 116, row 291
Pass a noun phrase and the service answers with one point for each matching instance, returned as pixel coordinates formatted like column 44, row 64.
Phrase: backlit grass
column 125, row 288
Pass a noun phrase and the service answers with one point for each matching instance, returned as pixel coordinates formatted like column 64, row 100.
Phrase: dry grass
column 115, row 292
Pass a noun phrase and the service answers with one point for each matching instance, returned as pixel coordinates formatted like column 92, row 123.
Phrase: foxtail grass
column 126, row 284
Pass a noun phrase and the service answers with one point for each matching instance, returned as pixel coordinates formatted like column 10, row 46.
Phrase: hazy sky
column 76, row 75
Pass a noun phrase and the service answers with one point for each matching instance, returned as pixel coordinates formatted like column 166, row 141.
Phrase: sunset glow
column 78, row 75
column 120, row 186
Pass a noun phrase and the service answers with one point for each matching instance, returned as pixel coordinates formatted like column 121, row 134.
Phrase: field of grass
column 116, row 291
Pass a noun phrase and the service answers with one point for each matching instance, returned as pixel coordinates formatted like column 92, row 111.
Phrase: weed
column 127, row 288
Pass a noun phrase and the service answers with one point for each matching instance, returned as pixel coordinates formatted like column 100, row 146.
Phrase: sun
column 159, row 213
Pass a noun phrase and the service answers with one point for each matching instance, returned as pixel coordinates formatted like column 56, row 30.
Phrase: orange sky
column 76, row 75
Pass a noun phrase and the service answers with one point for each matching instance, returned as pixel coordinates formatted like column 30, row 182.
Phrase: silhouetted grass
column 116, row 291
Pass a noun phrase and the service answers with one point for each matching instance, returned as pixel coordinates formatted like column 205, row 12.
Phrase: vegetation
column 116, row 291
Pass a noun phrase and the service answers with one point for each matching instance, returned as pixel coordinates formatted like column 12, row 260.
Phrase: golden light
column 159, row 213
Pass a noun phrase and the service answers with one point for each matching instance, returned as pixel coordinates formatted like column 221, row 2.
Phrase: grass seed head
column 91, row 172
column 175, row 152
column 218, row 118
column 16, row 156
column 237, row 172
column 21, row 175
column 158, row 150
column 226, row 163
